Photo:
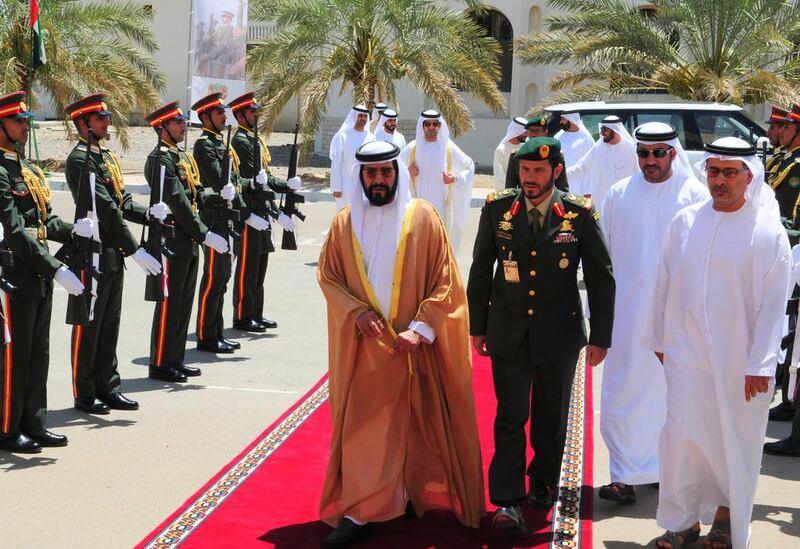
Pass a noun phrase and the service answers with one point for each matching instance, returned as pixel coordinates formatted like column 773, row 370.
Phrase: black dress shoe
column 347, row 533
column 540, row 497
column 189, row 371
column 783, row 447
column 118, row 401
column 249, row 325
column 91, row 405
column 19, row 444
column 214, row 346
column 267, row 323
column 235, row 344
column 510, row 521
column 166, row 374
column 46, row 439
column 782, row 412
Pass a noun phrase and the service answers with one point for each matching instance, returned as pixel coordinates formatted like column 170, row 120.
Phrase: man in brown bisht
column 404, row 426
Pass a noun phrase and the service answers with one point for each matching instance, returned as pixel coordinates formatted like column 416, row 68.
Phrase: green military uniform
column 209, row 153
column 28, row 223
column 530, row 311
column 94, row 347
column 184, row 195
column 251, row 267
column 784, row 178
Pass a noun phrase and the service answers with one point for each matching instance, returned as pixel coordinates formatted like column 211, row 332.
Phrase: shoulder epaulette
column 584, row 202
column 499, row 195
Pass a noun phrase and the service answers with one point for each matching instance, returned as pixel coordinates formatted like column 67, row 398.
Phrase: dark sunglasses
column 373, row 172
column 657, row 153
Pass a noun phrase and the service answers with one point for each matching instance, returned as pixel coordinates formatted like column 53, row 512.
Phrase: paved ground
column 125, row 472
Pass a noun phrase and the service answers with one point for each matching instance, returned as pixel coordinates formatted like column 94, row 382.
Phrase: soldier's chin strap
column 2, row 125
column 169, row 133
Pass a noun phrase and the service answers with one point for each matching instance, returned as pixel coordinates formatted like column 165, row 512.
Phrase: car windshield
column 713, row 126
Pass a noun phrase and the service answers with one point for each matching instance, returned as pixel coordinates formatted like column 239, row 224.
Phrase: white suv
column 697, row 123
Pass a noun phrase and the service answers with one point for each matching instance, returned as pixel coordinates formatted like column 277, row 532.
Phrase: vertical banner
column 219, row 41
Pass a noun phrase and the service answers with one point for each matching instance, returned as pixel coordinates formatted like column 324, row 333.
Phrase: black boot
column 347, row 533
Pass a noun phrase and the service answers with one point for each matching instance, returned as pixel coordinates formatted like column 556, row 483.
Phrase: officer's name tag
column 563, row 238
column 511, row 271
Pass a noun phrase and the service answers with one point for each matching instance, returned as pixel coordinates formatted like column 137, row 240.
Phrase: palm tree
column 369, row 45
column 90, row 47
column 736, row 51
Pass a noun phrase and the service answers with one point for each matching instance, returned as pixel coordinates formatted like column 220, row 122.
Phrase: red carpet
column 268, row 496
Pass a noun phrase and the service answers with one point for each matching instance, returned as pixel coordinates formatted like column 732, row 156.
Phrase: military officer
column 536, row 127
column 28, row 222
column 183, row 194
column 219, row 171
column 258, row 186
column 96, row 383
column 784, row 175
column 527, row 316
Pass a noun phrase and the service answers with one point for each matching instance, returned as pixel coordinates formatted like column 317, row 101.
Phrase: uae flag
column 39, row 57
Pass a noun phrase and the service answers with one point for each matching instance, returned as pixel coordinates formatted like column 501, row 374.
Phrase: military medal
column 506, row 226
column 566, row 226
column 511, row 269
column 563, row 263
column 507, row 216
column 570, row 215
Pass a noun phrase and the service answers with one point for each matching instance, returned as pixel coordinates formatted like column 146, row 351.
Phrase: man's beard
column 546, row 189
column 564, row 125
column 608, row 138
column 380, row 199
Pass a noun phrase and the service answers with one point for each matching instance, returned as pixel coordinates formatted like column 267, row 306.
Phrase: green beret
column 540, row 148
column 536, row 121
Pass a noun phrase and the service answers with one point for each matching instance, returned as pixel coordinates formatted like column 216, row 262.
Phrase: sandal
column 718, row 537
column 619, row 492
column 677, row 539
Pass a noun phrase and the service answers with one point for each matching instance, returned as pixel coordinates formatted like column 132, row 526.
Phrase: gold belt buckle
column 41, row 234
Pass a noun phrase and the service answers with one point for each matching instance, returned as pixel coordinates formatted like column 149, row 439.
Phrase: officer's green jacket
column 113, row 206
column 784, row 178
column 208, row 152
column 545, row 304
column 242, row 142
column 183, row 202
column 23, row 223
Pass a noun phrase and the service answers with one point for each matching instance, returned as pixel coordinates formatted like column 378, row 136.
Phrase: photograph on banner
column 220, row 48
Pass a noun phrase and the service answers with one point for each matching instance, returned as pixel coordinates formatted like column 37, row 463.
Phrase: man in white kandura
column 351, row 135
column 516, row 134
column 387, row 130
column 611, row 159
column 636, row 214
column 440, row 173
column 715, row 322
column 575, row 139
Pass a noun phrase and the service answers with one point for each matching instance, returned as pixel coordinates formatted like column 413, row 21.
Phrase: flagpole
column 33, row 145
column 189, row 72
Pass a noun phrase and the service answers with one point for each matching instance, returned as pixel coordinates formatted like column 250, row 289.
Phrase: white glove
column 294, row 183
column 262, row 178
column 257, row 222
column 84, row 227
column 69, row 281
column 228, row 192
column 286, row 222
column 149, row 264
column 213, row 240
column 160, row 211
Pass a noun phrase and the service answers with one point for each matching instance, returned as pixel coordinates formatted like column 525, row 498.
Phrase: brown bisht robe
column 404, row 426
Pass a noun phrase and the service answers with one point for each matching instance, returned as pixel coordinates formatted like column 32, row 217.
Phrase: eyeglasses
column 373, row 172
column 431, row 124
column 657, row 153
column 727, row 173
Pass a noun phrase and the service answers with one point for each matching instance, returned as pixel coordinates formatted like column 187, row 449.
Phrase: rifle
column 224, row 213
column 155, row 288
column 6, row 287
column 265, row 198
column 81, row 254
column 291, row 199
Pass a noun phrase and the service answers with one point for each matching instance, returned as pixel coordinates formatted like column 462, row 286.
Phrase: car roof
column 635, row 106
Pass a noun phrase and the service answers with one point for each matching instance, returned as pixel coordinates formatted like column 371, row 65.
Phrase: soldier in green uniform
column 258, row 186
column 96, row 384
column 536, row 127
column 181, row 191
column 784, row 174
column 215, row 162
column 774, row 123
column 28, row 222
column 527, row 316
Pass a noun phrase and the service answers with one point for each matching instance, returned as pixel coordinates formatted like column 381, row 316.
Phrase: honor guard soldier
column 527, row 316
column 258, row 188
column 774, row 123
column 28, row 223
column 174, row 179
column 95, row 380
column 222, row 211
column 784, row 175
